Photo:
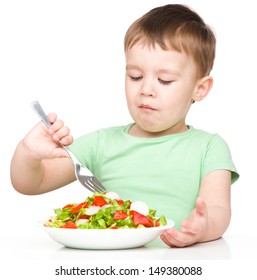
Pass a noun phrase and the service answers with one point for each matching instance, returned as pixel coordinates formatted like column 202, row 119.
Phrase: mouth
column 146, row 107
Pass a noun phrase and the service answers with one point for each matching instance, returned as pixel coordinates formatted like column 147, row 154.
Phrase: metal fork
column 84, row 175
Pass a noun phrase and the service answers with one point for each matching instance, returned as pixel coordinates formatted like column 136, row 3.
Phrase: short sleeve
column 218, row 156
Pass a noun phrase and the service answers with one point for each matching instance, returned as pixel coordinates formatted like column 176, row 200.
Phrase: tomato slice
column 140, row 219
column 76, row 208
column 120, row 201
column 119, row 215
column 68, row 206
column 69, row 224
column 99, row 201
column 84, row 216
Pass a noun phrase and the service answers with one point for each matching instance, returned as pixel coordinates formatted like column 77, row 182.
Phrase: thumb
column 60, row 153
column 200, row 207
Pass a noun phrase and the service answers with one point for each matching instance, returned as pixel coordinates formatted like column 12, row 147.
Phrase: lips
column 146, row 107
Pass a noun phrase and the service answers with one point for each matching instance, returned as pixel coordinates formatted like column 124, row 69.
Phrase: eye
column 164, row 82
column 133, row 78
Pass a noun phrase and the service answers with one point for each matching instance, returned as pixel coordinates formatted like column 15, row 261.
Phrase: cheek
column 129, row 96
column 176, row 104
column 128, row 86
column 131, row 90
column 127, row 89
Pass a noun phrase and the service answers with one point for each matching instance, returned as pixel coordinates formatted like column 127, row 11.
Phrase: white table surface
column 37, row 245
column 34, row 255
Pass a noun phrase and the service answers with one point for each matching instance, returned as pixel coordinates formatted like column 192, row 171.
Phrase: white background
column 69, row 56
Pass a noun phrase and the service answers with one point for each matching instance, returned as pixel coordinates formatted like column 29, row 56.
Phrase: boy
column 183, row 172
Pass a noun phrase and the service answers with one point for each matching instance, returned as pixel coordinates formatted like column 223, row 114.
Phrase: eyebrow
column 161, row 71
column 167, row 71
column 131, row 66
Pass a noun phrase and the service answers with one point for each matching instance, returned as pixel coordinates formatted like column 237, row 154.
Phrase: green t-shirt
column 164, row 172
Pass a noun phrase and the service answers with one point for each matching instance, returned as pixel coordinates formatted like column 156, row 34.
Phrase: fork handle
column 41, row 113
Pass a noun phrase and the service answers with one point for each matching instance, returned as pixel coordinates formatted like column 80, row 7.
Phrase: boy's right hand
column 43, row 142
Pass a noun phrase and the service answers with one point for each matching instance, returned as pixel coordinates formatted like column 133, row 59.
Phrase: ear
column 203, row 87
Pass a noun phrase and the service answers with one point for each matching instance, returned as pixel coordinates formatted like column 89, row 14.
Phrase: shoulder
column 210, row 143
column 206, row 137
column 216, row 153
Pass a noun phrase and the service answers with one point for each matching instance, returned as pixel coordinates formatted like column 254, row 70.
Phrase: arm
column 39, row 164
column 211, row 216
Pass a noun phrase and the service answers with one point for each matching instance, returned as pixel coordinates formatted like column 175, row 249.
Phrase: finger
column 168, row 242
column 169, row 239
column 57, row 125
column 67, row 140
column 190, row 227
column 175, row 238
column 185, row 226
column 52, row 117
column 61, row 133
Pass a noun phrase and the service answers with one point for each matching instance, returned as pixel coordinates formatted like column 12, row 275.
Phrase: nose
column 147, row 88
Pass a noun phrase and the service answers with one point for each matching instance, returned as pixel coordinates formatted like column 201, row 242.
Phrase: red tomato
column 68, row 206
column 119, row 215
column 114, row 227
column 139, row 219
column 120, row 201
column 76, row 208
column 84, row 216
column 99, row 201
column 69, row 224
column 157, row 224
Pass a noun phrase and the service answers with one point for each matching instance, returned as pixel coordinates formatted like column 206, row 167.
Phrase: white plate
column 105, row 238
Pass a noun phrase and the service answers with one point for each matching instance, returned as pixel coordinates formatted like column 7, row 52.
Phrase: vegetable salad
column 105, row 211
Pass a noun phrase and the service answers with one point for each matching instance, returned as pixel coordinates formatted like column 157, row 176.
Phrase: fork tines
column 94, row 185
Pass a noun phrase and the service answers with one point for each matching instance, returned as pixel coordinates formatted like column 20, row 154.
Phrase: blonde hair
column 175, row 27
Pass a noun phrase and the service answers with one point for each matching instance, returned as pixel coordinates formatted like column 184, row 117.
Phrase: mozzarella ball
column 140, row 207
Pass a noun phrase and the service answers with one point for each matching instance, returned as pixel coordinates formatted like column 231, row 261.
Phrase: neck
column 137, row 131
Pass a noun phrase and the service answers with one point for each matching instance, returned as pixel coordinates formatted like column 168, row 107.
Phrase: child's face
column 160, row 86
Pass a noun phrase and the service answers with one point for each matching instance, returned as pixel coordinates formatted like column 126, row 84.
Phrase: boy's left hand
column 192, row 230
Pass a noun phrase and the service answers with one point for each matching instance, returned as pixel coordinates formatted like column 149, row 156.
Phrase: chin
column 155, row 131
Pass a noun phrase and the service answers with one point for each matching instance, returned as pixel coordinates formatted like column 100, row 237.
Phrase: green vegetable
column 101, row 212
